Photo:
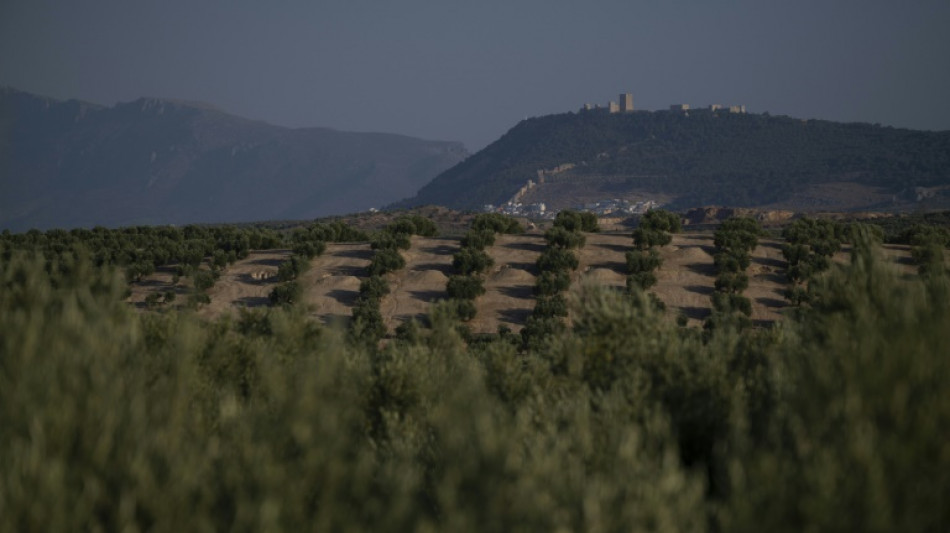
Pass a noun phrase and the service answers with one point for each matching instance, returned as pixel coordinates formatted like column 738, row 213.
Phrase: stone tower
column 626, row 102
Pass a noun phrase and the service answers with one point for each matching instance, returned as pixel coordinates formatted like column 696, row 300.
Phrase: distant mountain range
column 702, row 157
column 154, row 161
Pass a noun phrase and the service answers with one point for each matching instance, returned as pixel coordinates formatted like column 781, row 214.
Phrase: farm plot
column 332, row 284
column 414, row 288
column 509, row 285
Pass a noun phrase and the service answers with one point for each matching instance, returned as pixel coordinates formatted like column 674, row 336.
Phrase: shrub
column 557, row 259
column 732, row 261
column 643, row 261
column 659, row 220
column 203, row 280
column 367, row 326
column 309, row 249
column 468, row 261
column 464, row 309
column 478, row 239
column 464, row 287
column 374, row 287
column 562, row 238
column 540, row 329
column 287, row 293
column 742, row 225
column 386, row 240
column 576, row 221
column 549, row 283
column 641, row 280
column 551, row 306
column 645, row 239
column 292, row 268
column 336, row 231
column 732, row 282
column 735, row 241
column 414, row 225
column 497, row 223
column 385, row 260
column 724, row 302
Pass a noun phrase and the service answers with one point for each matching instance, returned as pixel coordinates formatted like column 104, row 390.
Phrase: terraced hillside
column 684, row 282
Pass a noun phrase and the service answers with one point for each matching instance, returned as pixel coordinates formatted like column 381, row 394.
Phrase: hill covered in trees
column 152, row 161
column 704, row 158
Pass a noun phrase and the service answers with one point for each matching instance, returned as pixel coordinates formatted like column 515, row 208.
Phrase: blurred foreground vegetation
column 114, row 419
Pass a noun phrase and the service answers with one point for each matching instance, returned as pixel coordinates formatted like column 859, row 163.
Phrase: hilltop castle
column 625, row 105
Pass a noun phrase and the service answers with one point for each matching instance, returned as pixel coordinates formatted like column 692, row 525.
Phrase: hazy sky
column 469, row 71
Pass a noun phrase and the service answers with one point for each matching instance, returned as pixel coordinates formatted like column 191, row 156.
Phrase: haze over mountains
column 156, row 161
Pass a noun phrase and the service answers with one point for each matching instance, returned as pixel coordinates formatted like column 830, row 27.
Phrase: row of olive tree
column 367, row 325
column 809, row 247
column 655, row 229
column 555, row 266
column 471, row 261
column 927, row 248
column 735, row 240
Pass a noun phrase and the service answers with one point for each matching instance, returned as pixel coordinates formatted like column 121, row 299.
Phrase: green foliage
column 374, row 287
column 464, row 287
column 641, row 281
column 810, row 244
column 464, row 309
column 576, row 221
column 142, row 249
column 732, row 260
column 557, row 259
column 118, row 420
column 549, row 283
column 478, row 239
column 309, row 249
column 414, row 225
column 863, row 377
column 644, row 239
column 643, row 261
column 409, row 332
column 732, row 282
column 384, row 261
column 366, row 326
column 203, row 280
column 745, row 226
column 469, row 261
column 551, row 306
column 287, row 293
column 386, row 240
column 496, row 223
column 539, row 330
column 292, row 268
column 927, row 248
column 821, row 235
column 336, row 231
column 735, row 239
column 659, row 220
column 562, row 238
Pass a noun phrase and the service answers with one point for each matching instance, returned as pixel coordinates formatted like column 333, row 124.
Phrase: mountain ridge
column 157, row 161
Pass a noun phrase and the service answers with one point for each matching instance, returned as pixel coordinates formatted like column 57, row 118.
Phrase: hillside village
column 604, row 208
